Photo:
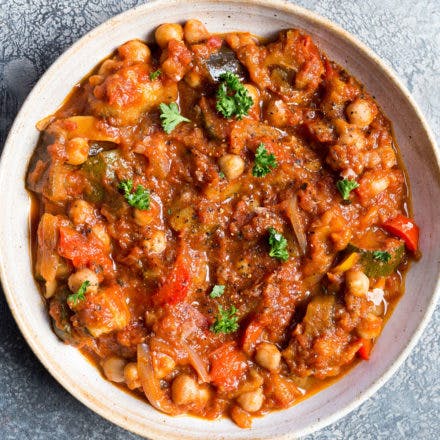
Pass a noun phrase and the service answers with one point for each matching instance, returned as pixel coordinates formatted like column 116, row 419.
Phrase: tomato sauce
column 222, row 222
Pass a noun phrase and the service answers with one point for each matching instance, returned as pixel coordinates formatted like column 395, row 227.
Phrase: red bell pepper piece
column 252, row 336
column 228, row 366
column 83, row 251
column 365, row 351
column 404, row 228
column 176, row 285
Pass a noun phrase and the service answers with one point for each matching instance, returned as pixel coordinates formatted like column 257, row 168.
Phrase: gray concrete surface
column 405, row 33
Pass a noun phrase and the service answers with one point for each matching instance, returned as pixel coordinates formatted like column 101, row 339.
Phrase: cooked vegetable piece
column 139, row 199
column 83, row 251
column 222, row 61
column 91, row 128
column 103, row 312
column 291, row 209
column 176, row 285
column 365, row 350
column 98, row 169
column 48, row 259
column 264, row 162
column 278, row 245
column 347, row 263
column 226, row 320
column 151, row 384
column 404, row 228
column 233, row 99
column 217, row 291
column 345, row 187
column 228, row 365
column 170, row 117
column 378, row 263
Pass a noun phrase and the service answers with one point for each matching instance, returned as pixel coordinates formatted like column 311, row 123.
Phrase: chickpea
column 77, row 279
column 195, row 31
column 254, row 93
column 360, row 112
column 193, row 79
column 114, row 368
column 77, row 150
column 277, row 113
column 350, row 134
column 251, row 401
column 163, row 365
column 167, row 32
column 131, row 376
column 173, row 69
column 108, row 66
column 232, row 165
column 95, row 80
column 185, row 390
column 241, row 417
column 156, row 244
column 135, row 51
column 81, row 212
column 268, row 356
column 357, row 282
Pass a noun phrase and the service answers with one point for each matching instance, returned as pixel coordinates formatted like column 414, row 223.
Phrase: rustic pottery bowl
column 261, row 17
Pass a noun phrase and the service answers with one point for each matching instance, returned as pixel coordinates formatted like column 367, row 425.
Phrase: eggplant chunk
column 223, row 61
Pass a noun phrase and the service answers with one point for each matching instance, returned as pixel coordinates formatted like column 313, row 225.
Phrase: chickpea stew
column 220, row 223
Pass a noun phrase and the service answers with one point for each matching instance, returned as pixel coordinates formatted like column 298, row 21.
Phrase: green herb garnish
column 80, row 294
column 232, row 97
column 278, row 245
column 383, row 256
column 139, row 199
column 226, row 321
column 221, row 174
column 217, row 291
column 154, row 75
column 345, row 187
column 170, row 117
column 264, row 162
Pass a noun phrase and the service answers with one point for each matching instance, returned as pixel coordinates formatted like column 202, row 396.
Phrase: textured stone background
column 405, row 33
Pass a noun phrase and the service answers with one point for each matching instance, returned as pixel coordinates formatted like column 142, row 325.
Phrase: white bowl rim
column 281, row 5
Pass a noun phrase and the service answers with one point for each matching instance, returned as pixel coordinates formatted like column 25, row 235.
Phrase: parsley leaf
column 345, row 187
column 263, row 162
column 226, row 321
column 217, row 291
column 170, row 117
column 139, row 199
column 278, row 245
column 154, row 75
column 80, row 294
column 232, row 97
column 383, row 256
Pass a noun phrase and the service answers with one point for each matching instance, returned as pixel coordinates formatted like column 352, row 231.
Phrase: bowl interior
column 263, row 18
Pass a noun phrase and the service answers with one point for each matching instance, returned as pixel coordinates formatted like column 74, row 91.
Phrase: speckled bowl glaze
column 262, row 17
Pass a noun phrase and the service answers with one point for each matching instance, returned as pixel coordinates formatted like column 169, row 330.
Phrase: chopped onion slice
column 291, row 209
column 196, row 362
column 151, row 385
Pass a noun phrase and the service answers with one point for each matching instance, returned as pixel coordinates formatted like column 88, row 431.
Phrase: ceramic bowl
column 265, row 18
